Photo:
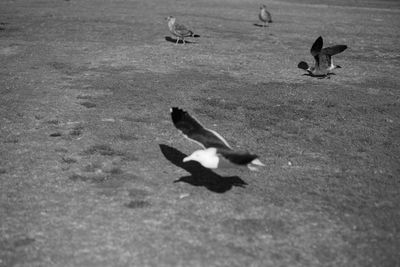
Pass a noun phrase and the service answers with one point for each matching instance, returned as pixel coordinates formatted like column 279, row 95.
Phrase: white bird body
column 208, row 158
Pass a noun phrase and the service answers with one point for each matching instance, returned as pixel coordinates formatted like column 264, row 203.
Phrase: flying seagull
column 323, row 59
column 217, row 152
column 179, row 30
column 264, row 15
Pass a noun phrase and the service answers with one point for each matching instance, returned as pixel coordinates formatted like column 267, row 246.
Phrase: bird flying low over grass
column 323, row 59
column 178, row 30
column 264, row 15
column 217, row 152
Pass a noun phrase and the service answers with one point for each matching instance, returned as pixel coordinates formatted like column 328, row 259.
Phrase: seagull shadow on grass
column 172, row 40
column 328, row 76
column 200, row 176
column 260, row 25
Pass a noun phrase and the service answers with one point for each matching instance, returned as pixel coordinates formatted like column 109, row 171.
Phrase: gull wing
column 240, row 158
column 269, row 18
column 182, row 30
column 317, row 47
column 333, row 50
column 193, row 130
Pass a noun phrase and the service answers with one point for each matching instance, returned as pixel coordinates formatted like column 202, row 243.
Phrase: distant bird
column 217, row 152
column 264, row 15
column 323, row 59
column 179, row 30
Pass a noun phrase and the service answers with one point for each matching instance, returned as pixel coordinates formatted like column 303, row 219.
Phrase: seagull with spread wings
column 217, row 152
column 323, row 59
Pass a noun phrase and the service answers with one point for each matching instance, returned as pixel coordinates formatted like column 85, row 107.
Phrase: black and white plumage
column 323, row 59
column 264, row 15
column 216, row 150
column 179, row 30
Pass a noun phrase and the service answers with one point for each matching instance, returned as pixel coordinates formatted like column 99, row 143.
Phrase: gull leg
column 177, row 40
column 183, row 40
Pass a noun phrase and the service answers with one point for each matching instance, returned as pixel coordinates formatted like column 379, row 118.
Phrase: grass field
column 91, row 170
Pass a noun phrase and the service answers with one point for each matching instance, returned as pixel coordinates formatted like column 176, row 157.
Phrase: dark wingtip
column 176, row 110
column 333, row 50
column 317, row 46
column 173, row 109
column 342, row 48
column 338, row 67
column 176, row 114
column 303, row 65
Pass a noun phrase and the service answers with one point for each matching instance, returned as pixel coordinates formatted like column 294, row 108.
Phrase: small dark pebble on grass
column 88, row 104
column 69, row 160
column 23, row 242
column 135, row 204
column 76, row 131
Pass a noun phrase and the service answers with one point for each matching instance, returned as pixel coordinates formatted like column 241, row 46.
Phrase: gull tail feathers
column 255, row 165
column 257, row 162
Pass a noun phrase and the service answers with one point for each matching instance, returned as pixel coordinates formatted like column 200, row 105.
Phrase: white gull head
column 171, row 21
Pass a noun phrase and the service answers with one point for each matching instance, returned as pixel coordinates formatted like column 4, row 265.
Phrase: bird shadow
column 200, row 176
column 172, row 40
column 260, row 25
column 328, row 76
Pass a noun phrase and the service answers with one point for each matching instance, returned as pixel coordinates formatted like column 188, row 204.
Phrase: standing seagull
column 217, row 152
column 264, row 15
column 323, row 59
column 179, row 30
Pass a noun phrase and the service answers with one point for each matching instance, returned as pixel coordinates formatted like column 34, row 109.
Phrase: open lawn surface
column 91, row 170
